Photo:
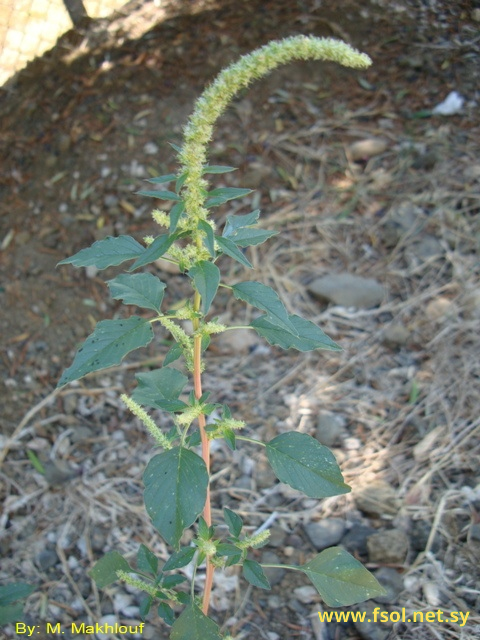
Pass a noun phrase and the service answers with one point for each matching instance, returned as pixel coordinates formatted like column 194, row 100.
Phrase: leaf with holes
column 142, row 289
column 340, row 579
column 304, row 464
column 107, row 346
column 175, row 491
column 108, row 252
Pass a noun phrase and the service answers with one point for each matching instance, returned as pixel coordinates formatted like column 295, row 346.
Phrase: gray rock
column 388, row 547
column 325, row 533
column 392, row 582
column 428, row 247
column 367, row 148
column 369, row 629
column 377, row 498
column 395, row 335
column 46, row 559
column 277, row 537
column 355, row 541
column 330, row 428
column 400, row 220
column 348, row 290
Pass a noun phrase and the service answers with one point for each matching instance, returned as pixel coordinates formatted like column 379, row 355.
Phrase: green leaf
column 145, row 605
column 217, row 168
column 304, row 464
column 192, row 624
column 108, row 345
column 36, row 464
column 253, row 573
column 206, row 278
column 146, row 560
column 166, row 613
column 252, row 237
column 234, row 223
column 180, row 558
column 108, row 252
column 159, row 246
column 232, row 553
column 170, row 582
column 161, row 384
column 266, row 299
column 340, row 579
column 180, row 182
column 163, row 179
column 308, row 337
column 172, row 354
column 11, row 613
column 230, row 248
column 233, row 521
column 175, row 215
column 161, row 195
column 209, row 240
column 175, row 491
column 224, row 194
column 14, row 591
column 104, row 572
column 142, row 289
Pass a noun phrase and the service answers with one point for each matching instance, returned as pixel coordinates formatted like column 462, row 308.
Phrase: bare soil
column 82, row 127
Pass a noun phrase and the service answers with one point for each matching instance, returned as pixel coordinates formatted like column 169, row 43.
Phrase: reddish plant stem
column 207, row 512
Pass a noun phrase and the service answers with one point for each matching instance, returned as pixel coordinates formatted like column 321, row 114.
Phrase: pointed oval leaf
column 192, row 624
column 108, row 252
column 309, row 336
column 206, row 278
column 145, row 606
column 251, row 237
column 229, row 193
column 175, row 215
column 166, row 613
column 161, row 195
column 340, row 579
column 304, row 464
column 172, row 354
column 104, row 572
column 175, row 491
column 107, row 346
column 253, row 573
column 142, row 289
column 146, row 560
column 233, row 521
column 228, row 247
column 162, row 384
column 159, row 246
column 217, row 168
column 266, row 299
column 14, row 591
column 234, row 223
column 168, row 177
column 209, row 239
column 180, row 558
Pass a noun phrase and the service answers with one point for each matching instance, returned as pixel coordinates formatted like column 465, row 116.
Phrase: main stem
column 197, row 383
